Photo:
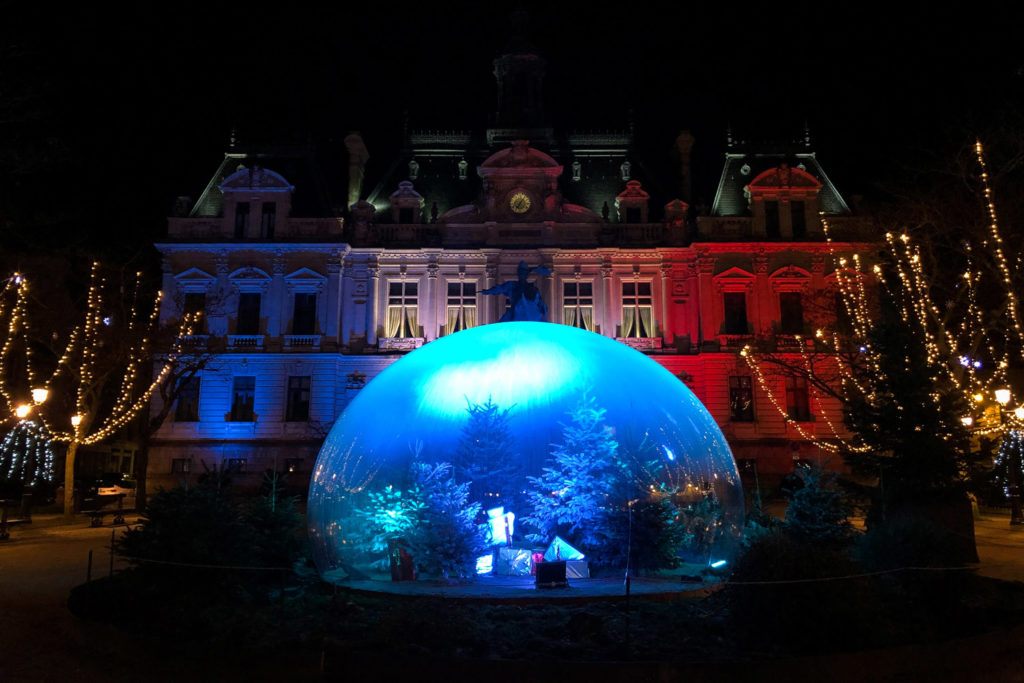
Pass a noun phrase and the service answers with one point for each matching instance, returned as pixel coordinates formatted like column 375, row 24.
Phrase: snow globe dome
column 575, row 434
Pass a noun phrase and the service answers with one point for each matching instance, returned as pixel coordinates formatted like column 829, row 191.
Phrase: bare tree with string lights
column 90, row 383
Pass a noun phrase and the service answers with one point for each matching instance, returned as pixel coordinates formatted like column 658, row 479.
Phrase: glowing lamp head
column 22, row 411
column 978, row 398
column 1019, row 413
column 40, row 395
column 967, row 420
column 1002, row 396
column 76, row 420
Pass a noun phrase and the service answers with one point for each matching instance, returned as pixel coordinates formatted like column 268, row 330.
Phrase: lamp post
column 69, row 468
column 1013, row 462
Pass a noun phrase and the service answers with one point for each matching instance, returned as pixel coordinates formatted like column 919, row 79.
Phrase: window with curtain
column 578, row 305
column 297, row 407
column 637, row 312
column 243, row 398
column 461, row 312
column 187, row 407
column 402, row 320
column 797, row 401
column 741, row 399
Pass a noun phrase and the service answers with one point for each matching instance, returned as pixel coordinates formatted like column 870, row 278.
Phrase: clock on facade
column 519, row 202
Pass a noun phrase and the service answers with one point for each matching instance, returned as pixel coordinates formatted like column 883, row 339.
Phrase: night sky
column 107, row 116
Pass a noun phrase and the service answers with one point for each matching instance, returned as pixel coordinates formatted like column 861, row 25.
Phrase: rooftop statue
column 524, row 302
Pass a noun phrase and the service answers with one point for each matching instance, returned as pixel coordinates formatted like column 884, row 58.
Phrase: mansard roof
column 742, row 166
column 275, row 168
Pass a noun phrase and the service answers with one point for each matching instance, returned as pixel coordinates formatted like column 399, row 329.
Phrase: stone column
column 667, row 327
column 330, row 319
column 708, row 317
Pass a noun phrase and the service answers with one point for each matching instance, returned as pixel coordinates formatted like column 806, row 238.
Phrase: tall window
column 797, row 403
column 791, row 313
column 187, row 407
column 402, row 313
column 735, row 304
column 741, row 399
column 243, row 397
column 771, row 218
column 304, row 317
column 241, row 219
column 461, row 306
column 248, row 313
column 297, row 408
column 799, row 218
column 268, row 220
column 578, row 304
column 637, row 314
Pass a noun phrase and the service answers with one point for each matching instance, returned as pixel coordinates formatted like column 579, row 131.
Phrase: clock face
column 519, row 202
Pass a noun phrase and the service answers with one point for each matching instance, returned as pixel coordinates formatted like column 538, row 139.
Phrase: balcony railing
column 302, row 342
column 247, row 342
column 399, row 343
column 641, row 343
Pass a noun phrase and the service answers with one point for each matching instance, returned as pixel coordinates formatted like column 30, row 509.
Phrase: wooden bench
column 96, row 516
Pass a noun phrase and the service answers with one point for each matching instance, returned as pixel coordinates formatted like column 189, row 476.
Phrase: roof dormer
column 254, row 198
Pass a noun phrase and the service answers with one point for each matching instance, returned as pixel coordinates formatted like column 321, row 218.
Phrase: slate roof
column 296, row 164
column 742, row 166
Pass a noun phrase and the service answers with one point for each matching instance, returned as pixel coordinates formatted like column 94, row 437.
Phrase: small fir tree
column 447, row 539
column 389, row 516
column 573, row 495
column 817, row 512
column 484, row 456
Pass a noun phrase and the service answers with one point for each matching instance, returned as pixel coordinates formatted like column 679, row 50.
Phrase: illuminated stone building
column 305, row 303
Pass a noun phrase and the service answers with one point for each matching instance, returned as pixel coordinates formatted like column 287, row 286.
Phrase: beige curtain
column 468, row 317
column 451, row 320
column 628, row 320
column 394, row 321
column 587, row 312
column 569, row 316
column 647, row 320
column 411, row 321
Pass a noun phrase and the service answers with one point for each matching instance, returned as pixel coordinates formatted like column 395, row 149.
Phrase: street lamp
column 22, row 411
column 40, row 394
column 1013, row 462
column 967, row 420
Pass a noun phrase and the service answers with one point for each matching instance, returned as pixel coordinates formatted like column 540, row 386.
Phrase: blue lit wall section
column 539, row 371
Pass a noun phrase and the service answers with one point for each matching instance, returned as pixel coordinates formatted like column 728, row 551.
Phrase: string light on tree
column 94, row 354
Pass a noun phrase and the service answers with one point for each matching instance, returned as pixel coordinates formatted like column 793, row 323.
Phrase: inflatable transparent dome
column 489, row 450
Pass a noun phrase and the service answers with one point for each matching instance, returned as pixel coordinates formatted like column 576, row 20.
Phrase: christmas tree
column 447, row 539
column 573, row 495
column 485, row 459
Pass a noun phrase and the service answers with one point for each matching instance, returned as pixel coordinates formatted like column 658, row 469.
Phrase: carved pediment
column 194, row 280
column 256, row 178
column 783, row 176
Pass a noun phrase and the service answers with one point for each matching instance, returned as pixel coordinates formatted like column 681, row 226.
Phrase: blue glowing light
column 717, row 564
column 538, row 371
column 977, row 364
column 863, row 349
column 964, row 361
column 561, row 550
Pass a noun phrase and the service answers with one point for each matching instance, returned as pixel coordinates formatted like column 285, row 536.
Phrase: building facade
column 304, row 304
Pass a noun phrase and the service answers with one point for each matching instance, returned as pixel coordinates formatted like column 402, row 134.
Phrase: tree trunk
column 69, row 481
